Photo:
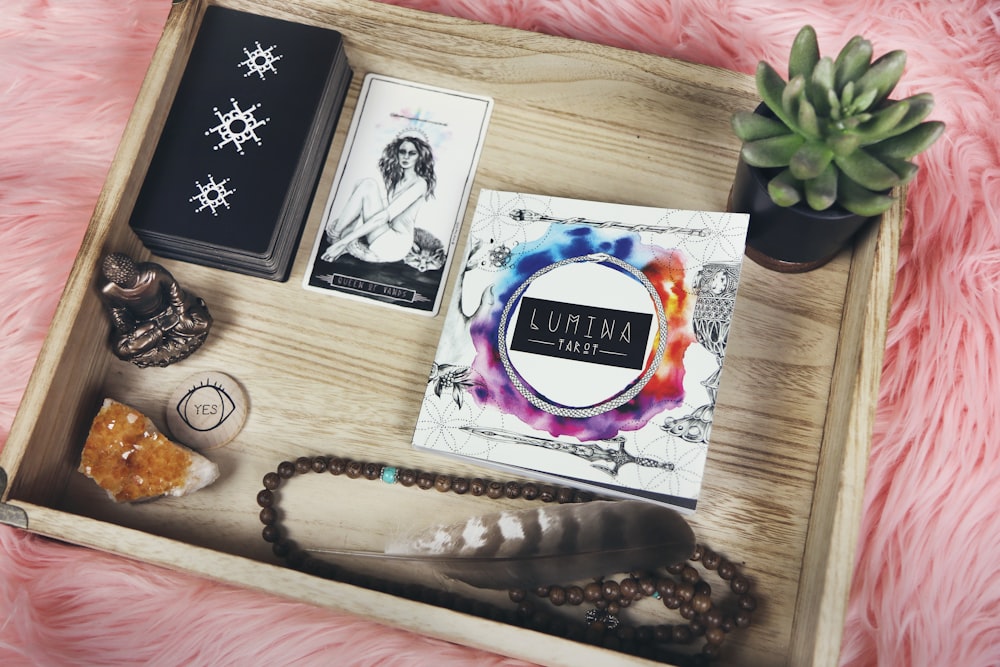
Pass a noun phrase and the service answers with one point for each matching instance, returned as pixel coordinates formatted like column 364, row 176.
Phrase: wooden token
column 207, row 410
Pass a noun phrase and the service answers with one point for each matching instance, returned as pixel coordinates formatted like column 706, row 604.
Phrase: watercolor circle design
column 615, row 401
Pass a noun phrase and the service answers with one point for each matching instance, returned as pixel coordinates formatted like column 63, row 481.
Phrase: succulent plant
column 836, row 136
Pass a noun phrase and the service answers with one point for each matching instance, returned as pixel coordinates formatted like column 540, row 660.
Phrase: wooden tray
column 784, row 478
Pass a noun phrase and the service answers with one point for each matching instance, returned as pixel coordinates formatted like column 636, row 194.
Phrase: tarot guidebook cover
column 584, row 344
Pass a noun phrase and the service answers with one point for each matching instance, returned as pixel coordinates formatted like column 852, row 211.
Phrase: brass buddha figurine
column 154, row 321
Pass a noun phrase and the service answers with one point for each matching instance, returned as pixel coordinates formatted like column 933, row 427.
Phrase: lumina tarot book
column 584, row 344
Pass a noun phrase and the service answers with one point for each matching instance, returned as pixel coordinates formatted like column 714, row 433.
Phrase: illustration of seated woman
column 377, row 224
column 154, row 321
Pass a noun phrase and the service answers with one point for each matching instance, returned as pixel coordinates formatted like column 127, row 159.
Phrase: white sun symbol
column 212, row 195
column 237, row 126
column 260, row 61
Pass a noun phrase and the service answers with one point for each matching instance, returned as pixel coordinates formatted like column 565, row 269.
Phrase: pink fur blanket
column 926, row 589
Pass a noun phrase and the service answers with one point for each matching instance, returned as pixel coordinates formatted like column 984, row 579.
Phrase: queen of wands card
column 399, row 195
column 584, row 344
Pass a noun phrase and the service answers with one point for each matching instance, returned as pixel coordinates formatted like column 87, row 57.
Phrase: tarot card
column 399, row 195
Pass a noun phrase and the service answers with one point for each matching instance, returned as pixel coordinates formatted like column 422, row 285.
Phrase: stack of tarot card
column 236, row 166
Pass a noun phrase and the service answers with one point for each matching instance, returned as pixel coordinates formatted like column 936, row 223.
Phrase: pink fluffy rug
column 926, row 589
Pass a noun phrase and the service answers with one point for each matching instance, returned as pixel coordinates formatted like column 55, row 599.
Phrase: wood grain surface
column 325, row 375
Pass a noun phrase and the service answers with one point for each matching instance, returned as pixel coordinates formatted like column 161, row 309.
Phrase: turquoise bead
column 389, row 475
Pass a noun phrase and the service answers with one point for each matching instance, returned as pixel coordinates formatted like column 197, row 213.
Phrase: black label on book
column 584, row 333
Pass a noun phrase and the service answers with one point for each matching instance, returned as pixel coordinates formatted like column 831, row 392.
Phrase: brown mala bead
column 739, row 584
column 477, row 486
column 701, row 603
column 268, row 515
column 629, row 588
column 610, row 590
column 460, row 485
column 666, row 587
column 685, row 591
column 557, row 596
column 319, row 464
column 529, row 491
column 265, row 498
column 272, row 481
column 442, row 483
column 303, row 464
column 372, row 470
column 354, row 469
column 286, row 469
column 512, row 490
column 712, row 617
column 715, row 635
column 425, row 480
column 592, row 592
column 494, row 490
column 407, row 477
column 547, row 493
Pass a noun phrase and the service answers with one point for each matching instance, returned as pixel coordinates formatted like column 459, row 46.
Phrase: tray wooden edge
column 397, row 612
column 835, row 518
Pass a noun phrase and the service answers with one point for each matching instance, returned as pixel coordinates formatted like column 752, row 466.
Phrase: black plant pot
column 790, row 239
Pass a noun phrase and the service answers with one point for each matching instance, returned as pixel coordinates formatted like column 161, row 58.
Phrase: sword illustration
column 608, row 455
column 526, row 215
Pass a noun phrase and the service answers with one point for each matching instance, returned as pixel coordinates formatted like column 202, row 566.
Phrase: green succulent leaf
column 749, row 126
column 847, row 95
column 810, row 160
column 784, row 189
column 771, row 88
column 920, row 107
column 861, row 200
column 904, row 169
column 804, row 53
column 910, row 143
column 863, row 100
column 771, row 152
column 843, row 143
column 881, row 124
column 852, row 61
column 792, row 96
column 883, row 75
column 821, row 191
column 833, row 102
column 819, row 86
column 867, row 170
column 808, row 120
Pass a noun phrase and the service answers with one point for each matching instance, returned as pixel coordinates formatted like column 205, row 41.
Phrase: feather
column 548, row 545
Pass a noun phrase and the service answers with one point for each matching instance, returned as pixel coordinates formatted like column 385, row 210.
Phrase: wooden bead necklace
column 680, row 585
